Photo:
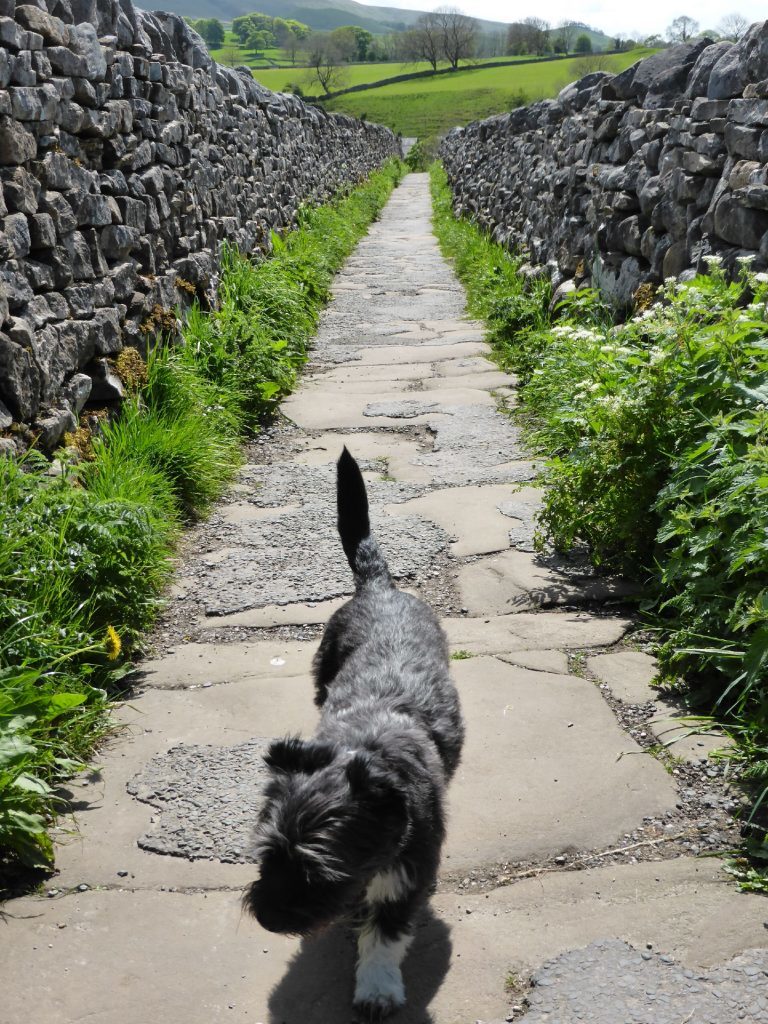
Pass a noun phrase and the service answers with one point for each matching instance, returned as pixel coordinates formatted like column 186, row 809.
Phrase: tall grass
column 85, row 554
column 656, row 433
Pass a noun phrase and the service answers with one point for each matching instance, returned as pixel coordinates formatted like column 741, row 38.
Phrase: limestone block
column 740, row 225
column 17, row 144
column 19, row 379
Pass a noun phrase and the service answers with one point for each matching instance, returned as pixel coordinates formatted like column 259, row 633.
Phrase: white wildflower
column 712, row 261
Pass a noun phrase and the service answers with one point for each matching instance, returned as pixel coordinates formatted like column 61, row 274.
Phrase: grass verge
column 85, row 554
column 656, row 435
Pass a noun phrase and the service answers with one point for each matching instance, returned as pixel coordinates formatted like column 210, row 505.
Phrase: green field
column 278, row 79
column 427, row 106
column 233, row 54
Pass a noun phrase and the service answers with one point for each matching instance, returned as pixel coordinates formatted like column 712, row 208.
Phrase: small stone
column 83, row 887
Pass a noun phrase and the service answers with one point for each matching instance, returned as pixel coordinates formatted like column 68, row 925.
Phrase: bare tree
column 324, row 63
column 459, row 35
column 516, row 39
column 682, row 28
column 425, row 41
column 733, row 26
column 566, row 36
column 537, row 35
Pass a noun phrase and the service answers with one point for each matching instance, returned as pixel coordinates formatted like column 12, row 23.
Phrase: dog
column 354, row 818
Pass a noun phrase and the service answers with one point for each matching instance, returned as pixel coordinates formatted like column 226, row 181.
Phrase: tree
column 211, row 30
column 682, row 28
column 289, row 34
column 388, row 47
column 583, row 44
column 352, row 42
column 424, row 42
column 459, row 35
column 258, row 41
column 566, row 33
column 324, row 62
column 517, row 39
column 231, row 56
column 733, row 26
column 242, row 27
column 536, row 35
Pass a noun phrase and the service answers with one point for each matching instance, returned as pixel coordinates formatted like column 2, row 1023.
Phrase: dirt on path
column 572, row 852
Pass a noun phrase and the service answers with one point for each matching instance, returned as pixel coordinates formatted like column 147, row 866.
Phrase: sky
column 628, row 19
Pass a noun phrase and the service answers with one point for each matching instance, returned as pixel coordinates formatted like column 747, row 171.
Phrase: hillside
column 425, row 106
column 318, row 14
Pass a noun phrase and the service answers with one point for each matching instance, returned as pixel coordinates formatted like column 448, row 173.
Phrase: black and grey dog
column 354, row 819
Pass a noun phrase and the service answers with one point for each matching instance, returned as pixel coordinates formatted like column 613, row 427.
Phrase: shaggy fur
column 354, row 821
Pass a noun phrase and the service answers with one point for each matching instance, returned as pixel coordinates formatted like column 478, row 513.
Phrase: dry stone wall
column 127, row 156
column 629, row 178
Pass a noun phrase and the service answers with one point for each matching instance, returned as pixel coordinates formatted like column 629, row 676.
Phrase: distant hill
column 319, row 14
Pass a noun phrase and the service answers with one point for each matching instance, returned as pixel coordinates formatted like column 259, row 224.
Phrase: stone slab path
column 571, row 851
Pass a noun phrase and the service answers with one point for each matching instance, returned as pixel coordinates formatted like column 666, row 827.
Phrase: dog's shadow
column 317, row 987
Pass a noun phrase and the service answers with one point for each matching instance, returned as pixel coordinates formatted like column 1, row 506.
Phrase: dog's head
column 331, row 819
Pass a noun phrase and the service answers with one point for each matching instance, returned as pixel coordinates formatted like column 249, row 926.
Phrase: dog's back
column 384, row 648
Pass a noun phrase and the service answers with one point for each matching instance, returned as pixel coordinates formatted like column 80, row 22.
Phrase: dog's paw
column 376, row 1008
column 378, row 992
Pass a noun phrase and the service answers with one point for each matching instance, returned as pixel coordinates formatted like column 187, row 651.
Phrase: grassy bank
column 85, row 554
column 656, row 434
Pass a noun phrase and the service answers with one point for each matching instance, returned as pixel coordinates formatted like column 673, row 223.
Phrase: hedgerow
column 86, row 546
column 655, row 431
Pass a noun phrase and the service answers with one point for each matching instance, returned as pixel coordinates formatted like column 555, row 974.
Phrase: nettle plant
column 658, row 430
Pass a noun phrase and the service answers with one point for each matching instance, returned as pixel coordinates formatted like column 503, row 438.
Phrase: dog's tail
column 362, row 551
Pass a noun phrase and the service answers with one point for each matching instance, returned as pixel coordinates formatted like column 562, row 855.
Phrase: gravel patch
column 609, row 982
column 285, row 484
column 208, row 800
column 297, row 557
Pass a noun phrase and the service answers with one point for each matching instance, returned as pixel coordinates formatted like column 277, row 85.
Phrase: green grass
column 85, row 555
column 429, row 106
column 233, row 53
column 656, row 436
column 354, row 74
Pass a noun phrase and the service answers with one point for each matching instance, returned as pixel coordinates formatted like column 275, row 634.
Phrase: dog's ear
column 359, row 772
column 293, row 754
column 370, row 782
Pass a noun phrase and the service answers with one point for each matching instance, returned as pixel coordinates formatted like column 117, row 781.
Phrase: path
column 144, row 923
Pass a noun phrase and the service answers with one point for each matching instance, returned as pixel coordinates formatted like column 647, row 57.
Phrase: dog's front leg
column 378, row 982
column 383, row 941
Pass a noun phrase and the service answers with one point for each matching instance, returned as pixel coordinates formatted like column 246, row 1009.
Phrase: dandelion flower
column 112, row 643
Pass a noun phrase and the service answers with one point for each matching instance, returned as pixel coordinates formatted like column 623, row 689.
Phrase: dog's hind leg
column 383, row 941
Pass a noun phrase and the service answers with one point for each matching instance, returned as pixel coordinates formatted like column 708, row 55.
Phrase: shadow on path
column 317, row 987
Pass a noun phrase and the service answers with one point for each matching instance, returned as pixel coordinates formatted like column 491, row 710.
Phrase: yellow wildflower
column 112, row 643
